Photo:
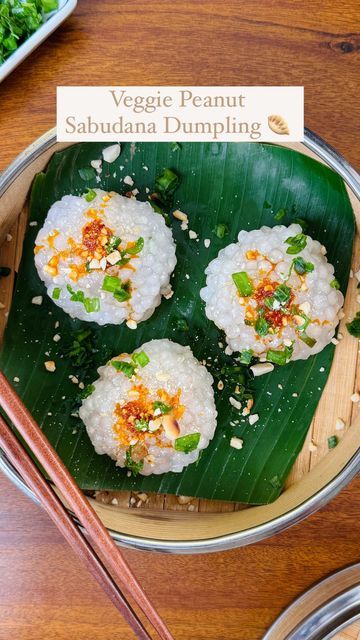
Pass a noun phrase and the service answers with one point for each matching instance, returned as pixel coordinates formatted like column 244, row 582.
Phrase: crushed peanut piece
column 236, row 443
column 50, row 365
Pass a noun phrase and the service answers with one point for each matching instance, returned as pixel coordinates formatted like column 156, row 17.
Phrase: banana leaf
column 243, row 186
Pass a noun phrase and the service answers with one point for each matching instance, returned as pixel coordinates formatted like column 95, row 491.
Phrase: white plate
column 54, row 19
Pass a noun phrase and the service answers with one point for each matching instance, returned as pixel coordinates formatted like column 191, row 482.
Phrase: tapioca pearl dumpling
column 290, row 293
column 156, row 406
column 109, row 259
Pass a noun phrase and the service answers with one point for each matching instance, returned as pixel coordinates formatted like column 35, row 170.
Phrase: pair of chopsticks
column 100, row 553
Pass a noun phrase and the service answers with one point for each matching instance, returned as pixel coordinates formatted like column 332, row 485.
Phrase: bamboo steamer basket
column 161, row 523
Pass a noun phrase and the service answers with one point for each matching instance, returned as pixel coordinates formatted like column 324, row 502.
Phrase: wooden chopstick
column 22, row 462
column 60, row 476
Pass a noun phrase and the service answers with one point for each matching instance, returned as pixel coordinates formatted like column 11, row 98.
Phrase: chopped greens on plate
column 19, row 20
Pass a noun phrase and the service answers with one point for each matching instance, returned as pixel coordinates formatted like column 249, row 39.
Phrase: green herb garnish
column 187, row 443
column 113, row 244
column 76, row 296
column 297, row 243
column 89, row 389
column 56, row 293
column 335, row 284
column 261, row 327
column 119, row 289
column 279, row 357
column 138, row 246
column 282, row 294
column 332, row 442
column 142, row 424
column 301, row 266
column 141, row 358
column 90, row 304
column 126, row 368
column 164, row 408
column 111, row 284
column 90, row 195
column 305, row 338
column 353, row 327
column 246, row 356
column 166, row 184
column 221, row 230
column 123, row 261
column 87, row 173
column 19, row 20
column 122, row 295
column 243, row 283
column 280, row 214
column 133, row 466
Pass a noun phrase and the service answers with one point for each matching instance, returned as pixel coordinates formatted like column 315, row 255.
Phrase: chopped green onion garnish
column 261, row 327
column 113, row 244
column 142, row 424
column 297, row 243
column 56, row 293
column 280, row 214
column 243, row 283
column 332, row 442
column 175, row 146
column 114, row 285
column 126, row 368
column 187, row 443
column 135, row 467
column 279, row 357
column 269, row 302
column 301, row 266
column 89, row 389
column 221, row 230
column 282, row 293
column 353, row 327
column 87, row 173
column 164, row 408
column 121, row 295
column 335, row 284
column 92, row 304
column 111, row 284
column 305, row 338
column 123, row 261
column 49, row 5
column 90, row 195
column 165, row 184
column 138, row 246
column 246, row 356
column 76, row 296
column 141, row 358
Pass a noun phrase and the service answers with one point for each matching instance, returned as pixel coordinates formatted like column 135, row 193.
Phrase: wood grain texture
column 44, row 592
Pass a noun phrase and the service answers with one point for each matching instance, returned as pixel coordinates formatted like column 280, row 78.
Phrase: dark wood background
column 44, row 592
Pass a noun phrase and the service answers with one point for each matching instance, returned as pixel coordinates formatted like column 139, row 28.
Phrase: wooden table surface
column 44, row 591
